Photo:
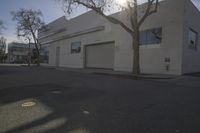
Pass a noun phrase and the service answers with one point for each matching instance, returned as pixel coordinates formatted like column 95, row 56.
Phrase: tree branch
column 148, row 11
column 109, row 18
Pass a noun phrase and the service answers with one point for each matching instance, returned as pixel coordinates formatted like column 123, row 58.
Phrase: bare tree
column 28, row 24
column 131, row 6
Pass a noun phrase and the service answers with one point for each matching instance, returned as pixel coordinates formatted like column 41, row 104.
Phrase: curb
column 135, row 77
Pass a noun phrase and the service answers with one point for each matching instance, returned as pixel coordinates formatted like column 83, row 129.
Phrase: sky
column 197, row 3
column 50, row 8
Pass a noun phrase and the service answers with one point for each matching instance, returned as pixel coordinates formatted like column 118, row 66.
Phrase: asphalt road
column 73, row 102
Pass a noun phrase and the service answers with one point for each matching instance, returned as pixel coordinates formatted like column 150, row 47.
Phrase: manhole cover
column 28, row 104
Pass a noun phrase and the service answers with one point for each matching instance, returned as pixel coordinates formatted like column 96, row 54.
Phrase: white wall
column 191, row 57
column 169, row 17
column 80, row 23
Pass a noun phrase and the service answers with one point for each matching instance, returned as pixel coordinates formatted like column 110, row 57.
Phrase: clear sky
column 197, row 3
column 50, row 8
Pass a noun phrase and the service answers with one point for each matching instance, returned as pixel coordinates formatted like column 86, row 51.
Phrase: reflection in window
column 75, row 47
column 193, row 37
column 152, row 36
column 44, row 55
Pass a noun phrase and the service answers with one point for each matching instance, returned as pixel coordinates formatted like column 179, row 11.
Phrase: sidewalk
column 14, row 65
column 118, row 73
column 103, row 72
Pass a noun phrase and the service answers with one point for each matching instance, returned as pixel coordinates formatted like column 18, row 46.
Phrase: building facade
column 19, row 52
column 169, row 41
column 3, row 54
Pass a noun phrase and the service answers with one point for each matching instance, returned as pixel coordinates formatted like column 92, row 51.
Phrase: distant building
column 2, row 45
column 18, row 52
column 2, row 48
column 3, row 55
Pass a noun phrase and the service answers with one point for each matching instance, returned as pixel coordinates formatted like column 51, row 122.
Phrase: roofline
column 198, row 10
column 71, row 35
column 55, row 20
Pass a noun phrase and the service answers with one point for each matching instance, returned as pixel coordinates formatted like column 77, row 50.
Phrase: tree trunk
column 38, row 56
column 136, row 54
column 136, row 39
column 29, row 55
column 29, row 64
column 38, row 59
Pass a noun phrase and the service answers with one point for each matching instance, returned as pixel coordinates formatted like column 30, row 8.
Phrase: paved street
column 72, row 102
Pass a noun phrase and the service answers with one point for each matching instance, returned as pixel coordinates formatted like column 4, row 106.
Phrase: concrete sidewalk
column 118, row 73
column 14, row 65
column 108, row 72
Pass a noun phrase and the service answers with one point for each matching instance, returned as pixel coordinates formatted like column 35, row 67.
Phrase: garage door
column 100, row 56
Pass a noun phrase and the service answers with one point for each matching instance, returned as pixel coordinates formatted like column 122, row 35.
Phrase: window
column 44, row 55
column 193, row 37
column 152, row 36
column 75, row 47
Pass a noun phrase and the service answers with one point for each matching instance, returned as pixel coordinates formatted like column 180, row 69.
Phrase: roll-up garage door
column 100, row 55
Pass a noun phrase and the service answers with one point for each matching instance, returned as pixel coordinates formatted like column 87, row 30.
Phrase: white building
column 21, row 52
column 2, row 48
column 2, row 45
column 18, row 52
column 169, row 38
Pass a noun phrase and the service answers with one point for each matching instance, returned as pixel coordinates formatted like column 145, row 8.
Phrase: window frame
column 74, row 51
column 148, row 32
column 196, row 39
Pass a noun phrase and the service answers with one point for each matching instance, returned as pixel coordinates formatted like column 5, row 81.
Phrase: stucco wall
column 80, row 23
column 169, row 17
column 191, row 57
column 152, row 57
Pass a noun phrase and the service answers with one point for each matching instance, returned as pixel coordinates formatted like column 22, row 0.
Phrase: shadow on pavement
column 193, row 74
